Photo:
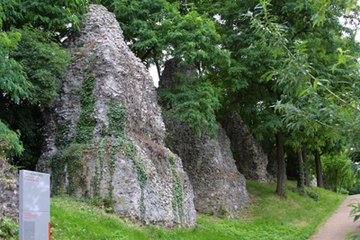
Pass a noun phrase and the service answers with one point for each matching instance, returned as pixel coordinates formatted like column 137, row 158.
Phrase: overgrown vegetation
column 297, row 79
column 195, row 104
column 142, row 179
column 290, row 68
column 86, row 122
column 177, row 191
column 9, row 141
column 355, row 213
column 67, row 165
column 268, row 217
column 117, row 119
column 9, row 229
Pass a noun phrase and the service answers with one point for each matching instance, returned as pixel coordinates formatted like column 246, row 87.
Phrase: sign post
column 34, row 205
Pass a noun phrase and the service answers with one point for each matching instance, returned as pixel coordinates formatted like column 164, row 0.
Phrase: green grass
column 267, row 217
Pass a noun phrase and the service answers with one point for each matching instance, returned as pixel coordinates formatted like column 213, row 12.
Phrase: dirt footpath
column 340, row 223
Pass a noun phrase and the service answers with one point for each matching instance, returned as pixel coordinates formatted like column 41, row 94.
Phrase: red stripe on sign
column 49, row 231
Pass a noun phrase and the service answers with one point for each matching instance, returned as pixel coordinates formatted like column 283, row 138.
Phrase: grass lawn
column 266, row 217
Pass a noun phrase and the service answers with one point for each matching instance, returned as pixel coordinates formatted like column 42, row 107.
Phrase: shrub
column 8, row 229
column 355, row 189
column 10, row 143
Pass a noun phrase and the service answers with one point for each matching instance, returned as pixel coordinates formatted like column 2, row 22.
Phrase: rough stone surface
column 174, row 69
column 48, row 148
column 218, row 186
column 9, row 195
column 125, row 161
column 250, row 158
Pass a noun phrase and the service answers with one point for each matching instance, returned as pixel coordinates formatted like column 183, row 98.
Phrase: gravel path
column 336, row 227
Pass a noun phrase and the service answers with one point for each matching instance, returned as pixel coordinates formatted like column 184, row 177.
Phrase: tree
column 10, row 144
column 281, row 172
column 339, row 171
column 306, row 77
column 58, row 17
column 161, row 30
column 32, row 62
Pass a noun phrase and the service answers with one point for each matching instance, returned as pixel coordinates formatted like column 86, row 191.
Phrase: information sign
column 34, row 205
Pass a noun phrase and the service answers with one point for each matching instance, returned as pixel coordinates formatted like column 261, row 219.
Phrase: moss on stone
column 117, row 119
column 177, row 191
column 62, row 132
column 142, row 179
column 86, row 123
column 67, row 166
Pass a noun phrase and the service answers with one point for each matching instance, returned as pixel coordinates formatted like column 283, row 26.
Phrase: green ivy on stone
column 177, row 191
column 67, row 163
column 87, row 122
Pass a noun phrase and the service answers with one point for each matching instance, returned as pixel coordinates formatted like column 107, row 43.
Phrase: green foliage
column 10, row 143
column 306, row 76
column 13, row 82
column 98, row 168
column 106, row 150
column 355, row 213
column 61, row 139
column 67, row 165
column 142, row 179
column 194, row 38
column 29, row 77
column 117, row 119
column 267, row 217
column 109, row 4
column 177, row 191
column 9, row 230
column 156, row 29
column 114, row 140
column 355, row 189
column 44, row 63
column 340, row 172
column 195, row 104
column 313, row 195
column 60, row 16
column 33, row 63
column 87, row 122
column 140, row 21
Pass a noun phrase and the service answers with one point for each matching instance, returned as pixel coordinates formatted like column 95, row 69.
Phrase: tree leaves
column 43, row 61
column 31, row 64
column 195, row 104
column 13, row 82
column 9, row 142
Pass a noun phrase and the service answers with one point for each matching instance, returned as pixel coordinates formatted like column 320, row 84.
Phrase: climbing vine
column 177, row 191
column 68, row 162
column 67, row 165
column 117, row 119
column 142, row 179
column 62, row 139
column 98, row 168
column 87, row 122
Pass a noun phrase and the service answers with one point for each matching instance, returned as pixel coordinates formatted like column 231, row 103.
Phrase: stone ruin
column 249, row 155
column 218, row 187
column 105, row 137
column 9, row 191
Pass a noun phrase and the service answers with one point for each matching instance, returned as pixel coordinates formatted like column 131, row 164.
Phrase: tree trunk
column 301, row 175
column 157, row 67
column 306, row 168
column 281, row 170
column 336, row 180
column 319, row 172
